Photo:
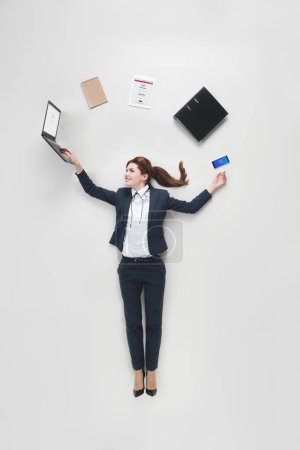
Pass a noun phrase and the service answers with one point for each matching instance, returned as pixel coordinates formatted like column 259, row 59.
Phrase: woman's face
column 133, row 177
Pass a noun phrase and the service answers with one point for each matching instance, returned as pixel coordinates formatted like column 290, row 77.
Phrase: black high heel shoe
column 138, row 392
column 151, row 392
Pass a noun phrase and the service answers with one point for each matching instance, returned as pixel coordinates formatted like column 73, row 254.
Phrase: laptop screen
column 51, row 120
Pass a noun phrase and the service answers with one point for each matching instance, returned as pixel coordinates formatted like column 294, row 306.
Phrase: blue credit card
column 220, row 162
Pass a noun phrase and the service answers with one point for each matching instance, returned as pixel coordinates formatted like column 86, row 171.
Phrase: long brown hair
column 160, row 174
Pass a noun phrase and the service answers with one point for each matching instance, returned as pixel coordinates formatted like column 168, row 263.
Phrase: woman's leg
column 153, row 275
column 131, row 288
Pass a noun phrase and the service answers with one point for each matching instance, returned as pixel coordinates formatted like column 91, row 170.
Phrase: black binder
column 201, row 114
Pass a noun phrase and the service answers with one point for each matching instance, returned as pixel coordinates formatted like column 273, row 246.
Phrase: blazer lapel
column 126, row 201
column 153, row 200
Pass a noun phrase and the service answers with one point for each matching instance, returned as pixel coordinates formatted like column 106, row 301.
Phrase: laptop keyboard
column 54, row 143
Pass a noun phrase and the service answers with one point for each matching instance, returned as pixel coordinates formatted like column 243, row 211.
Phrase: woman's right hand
column 72, row 157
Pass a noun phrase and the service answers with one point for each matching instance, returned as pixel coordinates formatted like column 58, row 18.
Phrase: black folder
column 201, row 114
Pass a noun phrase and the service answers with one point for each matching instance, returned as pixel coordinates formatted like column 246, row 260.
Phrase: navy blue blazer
column 160, row 202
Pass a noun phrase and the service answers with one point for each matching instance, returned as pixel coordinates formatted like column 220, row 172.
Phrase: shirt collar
column 140, row 191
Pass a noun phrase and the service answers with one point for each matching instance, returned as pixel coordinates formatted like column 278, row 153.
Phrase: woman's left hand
column 217, row 182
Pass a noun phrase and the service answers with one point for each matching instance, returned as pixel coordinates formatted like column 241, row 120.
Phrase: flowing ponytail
column 160, row 174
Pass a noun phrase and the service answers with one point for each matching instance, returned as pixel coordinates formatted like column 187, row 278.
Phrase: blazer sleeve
column 189, row 207
column 95, row 191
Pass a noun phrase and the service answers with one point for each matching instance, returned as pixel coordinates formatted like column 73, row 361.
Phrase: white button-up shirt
column 136, row 237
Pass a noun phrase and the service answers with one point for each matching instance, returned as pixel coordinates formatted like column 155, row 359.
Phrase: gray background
column 229, row 362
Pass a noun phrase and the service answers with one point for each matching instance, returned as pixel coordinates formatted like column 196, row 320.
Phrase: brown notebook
column 93, row 92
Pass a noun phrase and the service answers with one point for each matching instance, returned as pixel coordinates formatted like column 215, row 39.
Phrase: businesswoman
column 138, row 234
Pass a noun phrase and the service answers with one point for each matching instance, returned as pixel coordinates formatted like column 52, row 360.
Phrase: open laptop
column 50, row 128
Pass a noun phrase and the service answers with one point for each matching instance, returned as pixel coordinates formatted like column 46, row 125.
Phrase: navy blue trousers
column 136, row 275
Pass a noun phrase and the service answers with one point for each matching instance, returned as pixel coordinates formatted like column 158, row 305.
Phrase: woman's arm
column 199, row 201
column 87, row 184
